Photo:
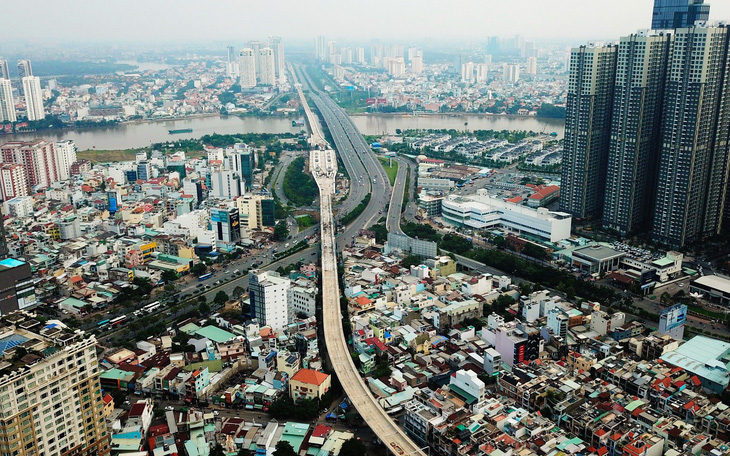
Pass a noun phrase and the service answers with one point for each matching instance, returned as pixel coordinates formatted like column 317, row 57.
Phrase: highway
column 367, row 176
column 323, row 163
column 339, row 354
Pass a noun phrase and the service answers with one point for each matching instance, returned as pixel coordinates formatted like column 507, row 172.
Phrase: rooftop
column 716, row 282
column 707, row 357
column 310, row 376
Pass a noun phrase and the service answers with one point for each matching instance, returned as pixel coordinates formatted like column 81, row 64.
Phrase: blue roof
column 11, row 263
column 11, row 341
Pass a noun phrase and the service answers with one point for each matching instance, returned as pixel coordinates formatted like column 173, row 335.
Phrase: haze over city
column 187, row 21
column 365, row 228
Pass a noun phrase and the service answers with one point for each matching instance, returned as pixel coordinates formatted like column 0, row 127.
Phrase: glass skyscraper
column 673, row 14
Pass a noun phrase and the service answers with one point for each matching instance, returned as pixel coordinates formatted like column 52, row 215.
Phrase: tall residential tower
column 635, row 131
column 673, row 14
column 693, row 167
column 587, row 129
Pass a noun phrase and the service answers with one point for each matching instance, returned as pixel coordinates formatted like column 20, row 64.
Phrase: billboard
column 220, row 216
column 672, row 317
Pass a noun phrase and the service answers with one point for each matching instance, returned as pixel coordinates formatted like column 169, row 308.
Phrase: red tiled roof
column 137, row 409
column 311, row 377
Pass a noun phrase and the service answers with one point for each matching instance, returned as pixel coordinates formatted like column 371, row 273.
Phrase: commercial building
column 672, row 321
column 7, row 104
column 713, row 287
column 269, row 294
column 309, row 384
column 226, row 184
column 674, row 14
column 226, row 226
column 302, row 301
column 705, row 357
column 635, row 131
column 17, row 287
column 692, row 181
column 482, row 211
column 144, row 170
column 52, row 403
column 33, row 98
column 587, row 129
column 247, row 68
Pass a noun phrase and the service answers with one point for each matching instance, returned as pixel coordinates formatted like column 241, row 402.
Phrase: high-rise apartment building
column 531, row 66
column 13, row 181
column 674, row 14
column 397, row 67
column 360, row 55
column 693, row 168
column 65, row 157
column 33, row 98
column 511, row 72
column 267, row 75
column 51, row 404
column 467, row 72
column 320, row 48
column 257, row 46
column 231, row 62
column 416, row 64
column 7, row 104
column 587, row 129
column 635, row 131
column 4, row 70
column 24, row 68
column 247, row 68
column 482, row 73
column 269, row 296
column 37, row 157
column 276, row 45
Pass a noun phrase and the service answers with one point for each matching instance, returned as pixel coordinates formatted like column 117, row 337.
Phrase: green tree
column 284, row 448
column 281, row 231
column 238, row 291
column 217, row 450
column 353, row 447
column 411, row 260
column 204, row 309
column 220, row 298
column 198, row 268
column 169, row 276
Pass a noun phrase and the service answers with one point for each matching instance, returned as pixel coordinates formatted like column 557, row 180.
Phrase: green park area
column 390, row 169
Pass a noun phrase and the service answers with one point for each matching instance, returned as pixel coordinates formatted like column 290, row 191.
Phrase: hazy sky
column 206, row 20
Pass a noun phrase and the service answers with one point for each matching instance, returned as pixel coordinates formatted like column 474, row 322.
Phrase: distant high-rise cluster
column 647, row 134
column 394, row 58
column 258, row 64
column 29, row 87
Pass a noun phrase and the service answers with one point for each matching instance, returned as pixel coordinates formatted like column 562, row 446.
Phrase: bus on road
column 205, row 276
column 149, row 308
column 118, row 320
column 102, row 323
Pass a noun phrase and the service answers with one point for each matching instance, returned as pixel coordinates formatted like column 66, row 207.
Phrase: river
column 142, row 134
column 379, row 124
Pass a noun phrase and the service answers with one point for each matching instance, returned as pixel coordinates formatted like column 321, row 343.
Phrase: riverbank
column 448, row 114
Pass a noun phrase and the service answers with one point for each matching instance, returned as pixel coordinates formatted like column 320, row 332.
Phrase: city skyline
column 171, row 22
